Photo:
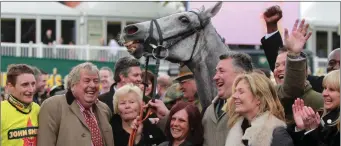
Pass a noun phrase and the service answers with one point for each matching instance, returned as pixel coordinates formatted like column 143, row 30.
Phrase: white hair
column 123, row 91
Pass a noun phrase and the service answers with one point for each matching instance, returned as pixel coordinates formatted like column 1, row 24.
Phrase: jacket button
column 83, row 135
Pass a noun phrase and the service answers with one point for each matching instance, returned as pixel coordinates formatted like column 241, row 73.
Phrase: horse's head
column 178, row 34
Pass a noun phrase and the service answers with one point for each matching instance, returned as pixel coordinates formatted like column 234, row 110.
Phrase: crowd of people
column 101, row 107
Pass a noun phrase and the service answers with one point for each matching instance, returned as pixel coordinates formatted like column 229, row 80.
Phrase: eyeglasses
column 333, row 62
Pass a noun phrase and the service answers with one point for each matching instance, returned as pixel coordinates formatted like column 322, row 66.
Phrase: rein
column 151, row 44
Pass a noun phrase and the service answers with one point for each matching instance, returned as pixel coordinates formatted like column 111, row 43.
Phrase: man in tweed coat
column 215, row 119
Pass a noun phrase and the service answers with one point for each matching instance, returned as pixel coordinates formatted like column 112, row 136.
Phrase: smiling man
column 214, row 120
column 127, row 70
column 19, row 114
column 188, row 87
column 77, row 117
column 107, row 79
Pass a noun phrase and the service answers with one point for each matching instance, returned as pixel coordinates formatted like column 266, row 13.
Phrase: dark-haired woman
column 182, row 128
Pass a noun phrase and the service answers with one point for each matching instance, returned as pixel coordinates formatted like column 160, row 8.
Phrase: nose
column 139, row 79
column 131, row 29
column 325, row 93
column 234, row 95
column 215, row 77
column 93, row 84
column 281, row 67
column 127, row 106
column 175, row 123
column 32, row 88
column 182, row 88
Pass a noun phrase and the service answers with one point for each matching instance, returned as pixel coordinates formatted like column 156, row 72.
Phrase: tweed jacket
column 61, row 123
column 215, row 128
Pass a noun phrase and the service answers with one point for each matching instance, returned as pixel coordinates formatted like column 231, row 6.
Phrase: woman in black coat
column 310, row 129
column 127, row 106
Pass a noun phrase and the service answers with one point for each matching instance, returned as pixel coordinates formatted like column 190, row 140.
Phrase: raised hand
column 297, row 109
column 158, row 107
column 298, row 37
column 271, row 16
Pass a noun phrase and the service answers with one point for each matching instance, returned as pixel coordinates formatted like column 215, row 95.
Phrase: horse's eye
column 184, row 19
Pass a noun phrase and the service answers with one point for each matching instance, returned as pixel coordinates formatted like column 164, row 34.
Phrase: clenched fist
column 271, row 16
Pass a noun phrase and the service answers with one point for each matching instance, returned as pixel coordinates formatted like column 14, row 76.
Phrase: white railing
column 72, row 52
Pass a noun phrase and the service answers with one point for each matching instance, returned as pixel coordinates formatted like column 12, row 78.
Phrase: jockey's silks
column 19, row 123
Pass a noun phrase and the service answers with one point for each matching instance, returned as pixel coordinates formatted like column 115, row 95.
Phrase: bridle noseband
column 150, row 44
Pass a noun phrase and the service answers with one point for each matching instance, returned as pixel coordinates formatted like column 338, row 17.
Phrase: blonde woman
column 127, row 106
column 318, row 131
column 256, row 116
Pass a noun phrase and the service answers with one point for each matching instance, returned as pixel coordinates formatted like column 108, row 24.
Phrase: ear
column 258, row 101
column 121, row 77
column 9, row 85
column 212, row 11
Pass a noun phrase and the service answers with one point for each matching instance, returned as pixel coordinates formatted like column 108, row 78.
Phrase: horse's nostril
column 131, row 29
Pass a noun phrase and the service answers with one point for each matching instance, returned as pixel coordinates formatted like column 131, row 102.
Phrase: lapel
column 101, row 118
column 75, row 109
column 211, row 113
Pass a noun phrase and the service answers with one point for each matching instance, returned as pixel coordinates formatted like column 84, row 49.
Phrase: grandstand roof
column 127, row 9
column 321, row 13
column 37, row 8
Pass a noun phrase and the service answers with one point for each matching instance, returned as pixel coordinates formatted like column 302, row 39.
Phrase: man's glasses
column 333, row 62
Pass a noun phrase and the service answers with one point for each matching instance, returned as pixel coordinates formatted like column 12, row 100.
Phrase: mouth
column 280, row 76
column 128, row 112
column 28, row 94
column 176, row 130
column 328, row 101
column 132, row 46
column 220, row 84
column 90, row 93
column 237, row 103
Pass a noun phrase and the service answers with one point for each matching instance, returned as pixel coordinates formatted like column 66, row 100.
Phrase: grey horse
column 186, row 37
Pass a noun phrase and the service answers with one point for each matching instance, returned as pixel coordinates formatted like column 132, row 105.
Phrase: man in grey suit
column 215, row 119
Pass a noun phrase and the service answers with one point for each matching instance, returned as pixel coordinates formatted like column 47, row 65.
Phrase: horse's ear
column 202, row 8
column 212, row 11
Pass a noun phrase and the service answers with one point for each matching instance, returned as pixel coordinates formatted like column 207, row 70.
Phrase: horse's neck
column 210, row 47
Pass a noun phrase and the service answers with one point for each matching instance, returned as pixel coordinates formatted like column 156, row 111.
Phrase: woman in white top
column 256, row 116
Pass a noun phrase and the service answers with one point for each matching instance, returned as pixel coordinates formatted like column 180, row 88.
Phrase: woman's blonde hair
column 122, row 93
column 332, row 80
column 263, row 90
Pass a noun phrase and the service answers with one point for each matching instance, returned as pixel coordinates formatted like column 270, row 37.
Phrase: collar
column 20, row 106
column 331, row 117
column 81, row 107
column 113, row 87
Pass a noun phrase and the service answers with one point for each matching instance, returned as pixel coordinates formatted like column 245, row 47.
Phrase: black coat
column 324, row 135
column 107, row 98
column 151, row 134
column 271, row 47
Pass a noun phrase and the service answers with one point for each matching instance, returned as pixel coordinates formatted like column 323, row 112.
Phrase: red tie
column 94, row 129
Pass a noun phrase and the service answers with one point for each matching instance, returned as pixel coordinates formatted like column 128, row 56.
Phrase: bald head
column 163, row 82
column 334, row 60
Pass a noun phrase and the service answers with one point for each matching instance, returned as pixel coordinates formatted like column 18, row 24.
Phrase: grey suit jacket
column 215, row 129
